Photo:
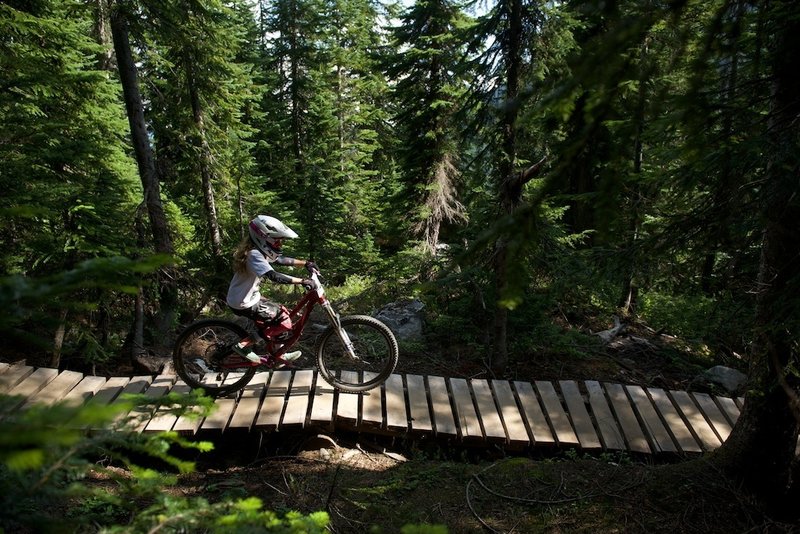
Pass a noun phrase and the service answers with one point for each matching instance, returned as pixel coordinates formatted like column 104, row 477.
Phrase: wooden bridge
column 512, row 414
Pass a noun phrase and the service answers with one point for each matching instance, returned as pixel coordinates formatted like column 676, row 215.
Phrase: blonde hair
column 240, row 254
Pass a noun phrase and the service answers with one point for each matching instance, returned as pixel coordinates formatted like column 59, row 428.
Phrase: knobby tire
column 210, row 340
column 375, row 346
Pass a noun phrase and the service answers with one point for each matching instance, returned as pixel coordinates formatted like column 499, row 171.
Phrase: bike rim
column 201, row 355
column 377, row 356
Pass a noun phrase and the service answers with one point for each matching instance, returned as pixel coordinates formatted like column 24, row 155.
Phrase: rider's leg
column 241, row 349
column 263, row 311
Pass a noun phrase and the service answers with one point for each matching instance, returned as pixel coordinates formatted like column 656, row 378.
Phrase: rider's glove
column 308, row 284
column 311, row 266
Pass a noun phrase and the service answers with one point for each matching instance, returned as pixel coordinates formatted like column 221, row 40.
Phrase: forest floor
column 378, row 484
column 367, row 484
column 371, row 485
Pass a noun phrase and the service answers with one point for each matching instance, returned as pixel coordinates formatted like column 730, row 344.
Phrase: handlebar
column 315, row 276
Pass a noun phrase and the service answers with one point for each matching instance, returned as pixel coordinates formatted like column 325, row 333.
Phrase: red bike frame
column 299, row 316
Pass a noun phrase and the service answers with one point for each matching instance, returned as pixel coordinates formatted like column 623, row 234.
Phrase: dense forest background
column 595, row 158
column 518, row 165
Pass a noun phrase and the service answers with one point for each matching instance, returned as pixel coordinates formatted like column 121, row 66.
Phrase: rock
column 730, row 379
column 405, row 319
column 150, row 363
column 608, row 335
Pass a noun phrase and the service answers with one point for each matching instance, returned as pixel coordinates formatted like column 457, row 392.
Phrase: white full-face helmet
column 268, row 234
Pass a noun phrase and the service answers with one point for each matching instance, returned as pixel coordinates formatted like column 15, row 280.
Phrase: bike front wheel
column 204, row 357
column 374, row 347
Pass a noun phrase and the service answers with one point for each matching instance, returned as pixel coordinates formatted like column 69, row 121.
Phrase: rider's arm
column 281, row 278
column 290, row 262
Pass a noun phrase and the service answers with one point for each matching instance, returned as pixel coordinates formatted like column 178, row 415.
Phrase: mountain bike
column 204, row 355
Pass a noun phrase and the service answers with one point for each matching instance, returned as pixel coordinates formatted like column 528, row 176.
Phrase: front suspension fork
column 333, row 317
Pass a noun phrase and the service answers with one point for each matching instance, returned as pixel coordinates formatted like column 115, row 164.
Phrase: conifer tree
column 65, row 176
column 291, row 31
column 506, row 73
column 428, row 91
column 322, row 119
column 199, row 93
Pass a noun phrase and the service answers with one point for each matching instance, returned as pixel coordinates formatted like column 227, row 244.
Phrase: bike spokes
column 204, row 358
column 364, row 353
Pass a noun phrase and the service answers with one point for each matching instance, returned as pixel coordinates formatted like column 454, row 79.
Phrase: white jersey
column 244, row 291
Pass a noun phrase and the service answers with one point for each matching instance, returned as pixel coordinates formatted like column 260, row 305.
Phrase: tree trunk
column 168, row 295
column 630, row 292
column 58, row 340
column 510, row 193
column 580, row 215
column 719, row 229
column 139, row 137
column 102, row 33
column 761, row 448
column 206, row 173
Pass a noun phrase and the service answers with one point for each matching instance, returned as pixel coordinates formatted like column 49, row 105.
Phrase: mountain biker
column 252, row 262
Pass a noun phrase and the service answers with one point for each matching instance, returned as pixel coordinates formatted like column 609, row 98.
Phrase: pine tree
column 428, row 91
column 199, row 93
column 321, row 138
column 507, row 72
column 65, row 176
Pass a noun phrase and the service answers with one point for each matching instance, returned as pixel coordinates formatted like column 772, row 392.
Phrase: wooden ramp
column 516, row 415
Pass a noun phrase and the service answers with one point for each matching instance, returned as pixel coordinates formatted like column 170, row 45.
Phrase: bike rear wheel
column 375, row 348
column 203, row 348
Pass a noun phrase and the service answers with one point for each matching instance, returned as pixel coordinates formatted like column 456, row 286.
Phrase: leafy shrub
column 48, row 453
column 699, row 317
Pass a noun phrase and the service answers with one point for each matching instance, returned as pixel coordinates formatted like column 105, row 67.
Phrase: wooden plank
column 444, row 422
column 110, row 390
column 214, row 379
column 396, row 410
column 487, row 411
column 322, row 403
column 418, row 407
column 714, row 415
column 134, row 386
column 555, row 412
column 697, row 423
column 637, row 442
column 56, row 390
column 13, row 376
column 610, row 432
column 160, row 386
column 512, row 419
column 225, row 406
column 372, row 404
column 296, row 410
column 467, row 417
column 163, row 421
column 31, row 385
column 34, row 382
column 584, row 429
column 250, row 401
column 659, row 436
column 729, row 408
column 534, row 416
column 85, row 390
column 190, row 421
column 347, row 406
column 4, row 367
column 272, row 408
column 675, row 423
